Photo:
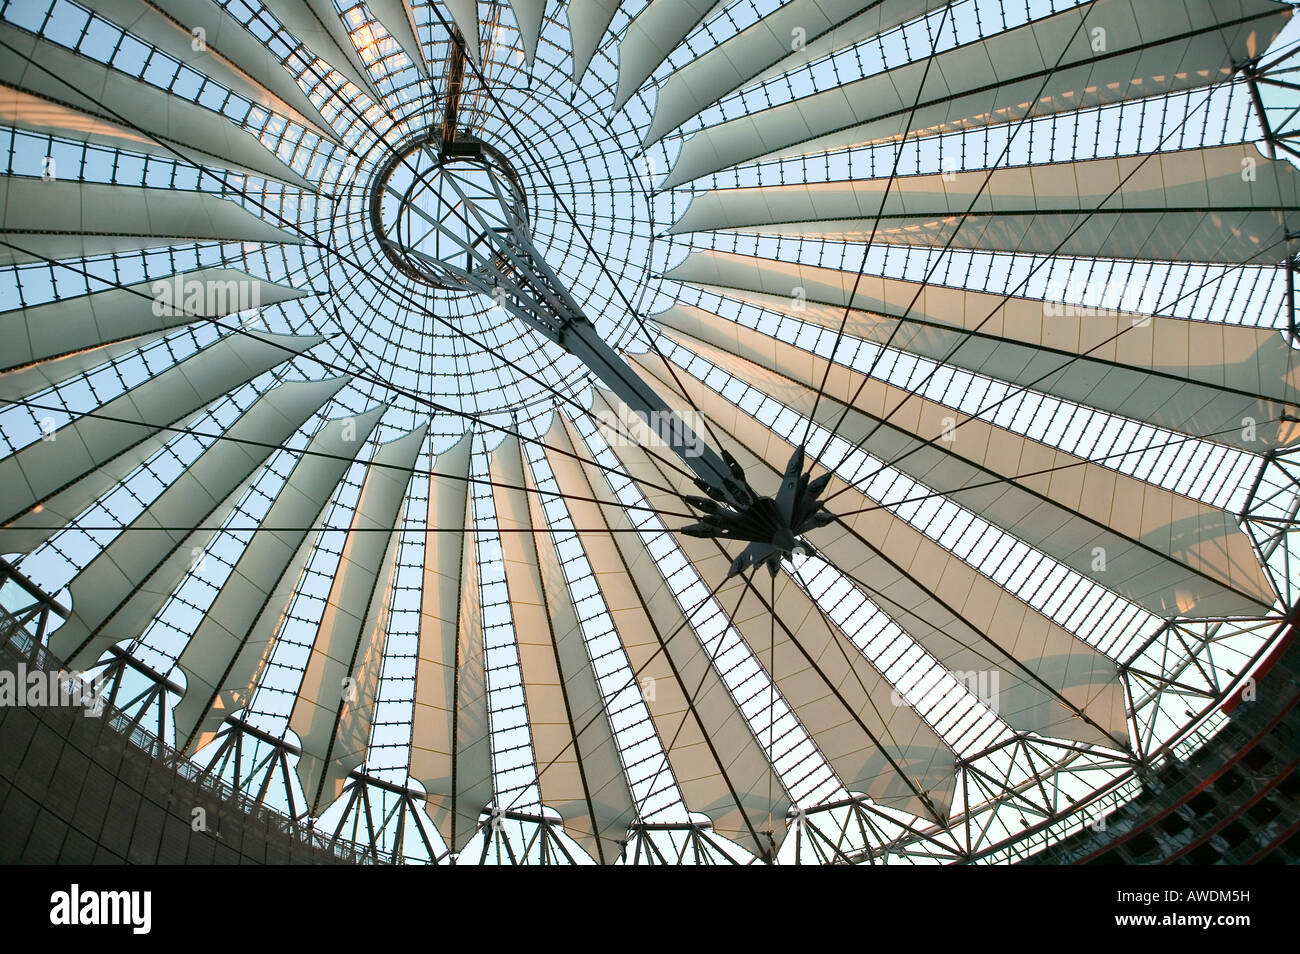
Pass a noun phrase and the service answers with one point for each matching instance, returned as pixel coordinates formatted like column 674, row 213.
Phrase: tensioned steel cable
column 686, row 621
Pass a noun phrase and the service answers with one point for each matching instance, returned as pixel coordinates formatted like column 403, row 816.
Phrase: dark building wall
column 74, row 789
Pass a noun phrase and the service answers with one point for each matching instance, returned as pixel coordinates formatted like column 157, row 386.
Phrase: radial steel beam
column 501, row 262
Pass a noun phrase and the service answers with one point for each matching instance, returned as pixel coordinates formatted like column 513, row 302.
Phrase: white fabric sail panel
column 63, row 220
column 464, row 13
column 356, row 716
column 34, row 114
column 891, row 13
column 228, row 53
column 1173, row 555
column 1192, row 205
column 1051, row 682
column 827, row 25
column 335, row 703
column 651, row 36
column 451, row 749
column 86, row 457
column 41, row 345
column 876, row 748
column 399, row 21
column 528, row 19
column 118, row 593
column 881, row 750
column 588, row 20
column 318, row 26
column 580, row 772
column 1195, row 377
column 24, row 382
column 1151, row 49
column 720, row 767
column 38, row 523
column 248, row 666
column 229, row 648
column 199, row 134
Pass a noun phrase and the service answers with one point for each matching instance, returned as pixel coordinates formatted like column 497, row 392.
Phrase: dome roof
column 404, row 396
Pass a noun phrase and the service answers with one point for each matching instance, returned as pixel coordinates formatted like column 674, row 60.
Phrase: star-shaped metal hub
column 774, row 526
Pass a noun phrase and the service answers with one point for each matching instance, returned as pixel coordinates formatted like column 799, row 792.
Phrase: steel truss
column 519, row 838
column 373, row 812
column 27, row 611
column 257, row 764
column 1281, row 126
column 139, row 692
